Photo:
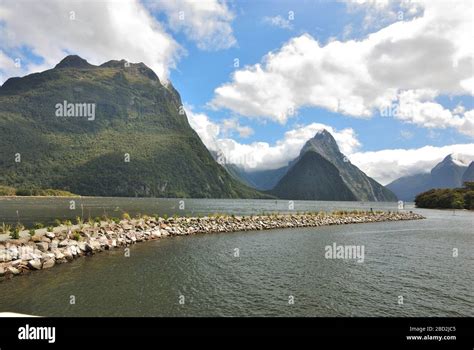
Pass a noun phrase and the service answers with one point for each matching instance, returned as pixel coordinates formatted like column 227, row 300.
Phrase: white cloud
column 431, row 52
column 379, row 13
column 207, row 130
column 208, row 23
column 415, row 106
column 262, row 155
column 229, row 126
column 278, row 21
column 405, row 134
column 98, row 31
column 388, row 165
column 8, row 67
column 383, row 165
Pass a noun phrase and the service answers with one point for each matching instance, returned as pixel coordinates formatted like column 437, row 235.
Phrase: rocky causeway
column 48, row 247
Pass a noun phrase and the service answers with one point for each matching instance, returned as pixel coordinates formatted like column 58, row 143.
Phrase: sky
column 393, row 81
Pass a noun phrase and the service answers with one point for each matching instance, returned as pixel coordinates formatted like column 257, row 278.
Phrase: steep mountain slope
column 407, row 187
column 136, row 144
column 362, row 186
column 313, row 177
column 264, row 179
column 469, row 173
column 449, row 172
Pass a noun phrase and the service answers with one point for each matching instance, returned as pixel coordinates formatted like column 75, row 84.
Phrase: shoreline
column 63, row 244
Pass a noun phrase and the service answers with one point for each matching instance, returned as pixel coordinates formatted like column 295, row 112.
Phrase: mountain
column 449, row 173
column 469, row 173
column 108, row 130
column 407, row 187
column 275, row 181
column 263, row 179
column 313, row 177
column 362, row 186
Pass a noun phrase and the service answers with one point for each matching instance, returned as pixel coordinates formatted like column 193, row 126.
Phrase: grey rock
column 34, row 264
column 13, row 270
column 48, row 264
column 42, row 246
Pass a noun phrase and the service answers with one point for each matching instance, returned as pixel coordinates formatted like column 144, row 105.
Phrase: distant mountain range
column 320, row 172
column 451, row 172
column 108, row 130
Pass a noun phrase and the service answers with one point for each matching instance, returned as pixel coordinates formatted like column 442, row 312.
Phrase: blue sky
column 363, row 54
column 323, row 20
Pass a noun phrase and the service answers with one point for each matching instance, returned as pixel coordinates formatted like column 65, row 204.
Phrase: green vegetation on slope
column 447, row 198
column 11, row 191
column 313, row 177
column 136, row 118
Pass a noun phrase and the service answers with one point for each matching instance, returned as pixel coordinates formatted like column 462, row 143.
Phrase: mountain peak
column 458, row 159
column 323, row 143
column 141, row 67
column 73, row 61
column 454, row 159
column 323, row 132
column 325, row 136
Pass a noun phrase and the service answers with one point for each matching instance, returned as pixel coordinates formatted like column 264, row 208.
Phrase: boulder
column 13, row 270
column 74, row 250
column 95, row 245
column 63, row 243
column 48, row 263
column 5, row 255
column 13, row 251
column 16, row 263
column 68, row 254
column 36, row 238
column 50, row 235
column 88, row 247
column 34, row 264
column 58, row 255
column 48, row 255
column 54, row 243
column 42, row 246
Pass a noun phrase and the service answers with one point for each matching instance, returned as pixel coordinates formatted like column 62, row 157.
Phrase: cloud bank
column 408, row 63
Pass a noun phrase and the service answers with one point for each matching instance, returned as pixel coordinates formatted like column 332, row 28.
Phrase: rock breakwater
column 44, row 248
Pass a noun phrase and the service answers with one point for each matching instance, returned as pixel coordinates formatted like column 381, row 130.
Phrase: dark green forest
column 447, row 198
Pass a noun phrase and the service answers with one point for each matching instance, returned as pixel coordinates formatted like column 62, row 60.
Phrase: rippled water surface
column 413, row 259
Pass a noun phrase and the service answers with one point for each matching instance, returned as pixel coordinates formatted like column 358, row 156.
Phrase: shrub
column 7, row 191
column 15, row 234
column 5, row 228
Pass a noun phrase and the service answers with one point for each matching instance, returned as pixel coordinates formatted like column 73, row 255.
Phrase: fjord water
column 413, row 259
